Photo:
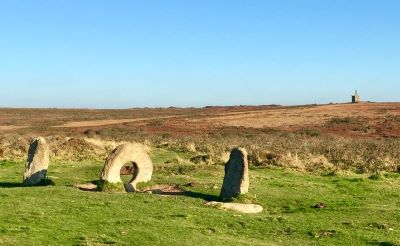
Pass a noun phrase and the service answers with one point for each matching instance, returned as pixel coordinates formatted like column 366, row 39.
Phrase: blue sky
column 118, row 54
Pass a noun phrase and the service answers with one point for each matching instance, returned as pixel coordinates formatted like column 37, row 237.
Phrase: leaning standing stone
column 37, row 162
column 236, row 180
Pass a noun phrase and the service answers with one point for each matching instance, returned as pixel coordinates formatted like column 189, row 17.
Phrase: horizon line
column 201, row 107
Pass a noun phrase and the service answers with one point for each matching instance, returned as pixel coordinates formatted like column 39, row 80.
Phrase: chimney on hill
column 355, row 98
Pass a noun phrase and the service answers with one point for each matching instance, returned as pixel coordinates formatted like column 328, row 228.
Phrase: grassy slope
column 359, row 210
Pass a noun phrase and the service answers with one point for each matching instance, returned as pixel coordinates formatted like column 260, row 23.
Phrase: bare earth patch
column 91, row 123
column 376, row 120
column 88, row 187
column 297, row 116
column 11, row 127
column 165, row 190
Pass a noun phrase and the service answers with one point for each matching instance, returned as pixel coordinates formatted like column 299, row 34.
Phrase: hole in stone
column 129, row 172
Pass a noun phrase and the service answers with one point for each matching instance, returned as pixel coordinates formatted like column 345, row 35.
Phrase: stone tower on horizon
column 355, row 98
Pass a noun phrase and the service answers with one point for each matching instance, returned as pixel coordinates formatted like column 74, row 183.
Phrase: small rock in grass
column 238, row 207
column 320, row 206
column 191, row 184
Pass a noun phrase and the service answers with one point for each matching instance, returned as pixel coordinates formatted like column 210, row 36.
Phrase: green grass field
column 359, row 210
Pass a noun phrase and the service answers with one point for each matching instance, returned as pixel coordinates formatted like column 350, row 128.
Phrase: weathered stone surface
column 236, row 180
column 128, row 153
column 37, row 163
column 238, row 207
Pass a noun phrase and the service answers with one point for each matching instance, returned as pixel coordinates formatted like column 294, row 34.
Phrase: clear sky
column 118, row 54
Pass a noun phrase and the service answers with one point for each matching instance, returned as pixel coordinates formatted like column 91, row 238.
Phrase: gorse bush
column 304, row 150
column 301, row 152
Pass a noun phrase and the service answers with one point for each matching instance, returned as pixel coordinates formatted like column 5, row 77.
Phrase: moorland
column 346, row 156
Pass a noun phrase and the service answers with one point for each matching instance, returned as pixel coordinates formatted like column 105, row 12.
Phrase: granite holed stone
column 135, row 154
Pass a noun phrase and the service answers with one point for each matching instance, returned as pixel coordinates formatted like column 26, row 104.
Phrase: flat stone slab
column 237, row 207
column 87, row 187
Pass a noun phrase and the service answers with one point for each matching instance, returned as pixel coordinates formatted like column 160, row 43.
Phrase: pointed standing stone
column 37, row 162
column 236, row 180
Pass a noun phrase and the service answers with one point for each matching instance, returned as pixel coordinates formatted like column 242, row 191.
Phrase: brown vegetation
column 357, row 137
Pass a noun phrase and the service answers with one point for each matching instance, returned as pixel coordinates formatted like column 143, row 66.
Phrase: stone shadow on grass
column 44, row 182
column 159, row 189
column 384, row 243
column 177, row 190
column 206, row 197
column 197, row 195
column 10, row 185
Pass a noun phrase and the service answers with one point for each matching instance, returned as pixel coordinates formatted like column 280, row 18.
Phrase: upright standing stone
column 37, row 162
column 236, row 180
column 128, row 153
